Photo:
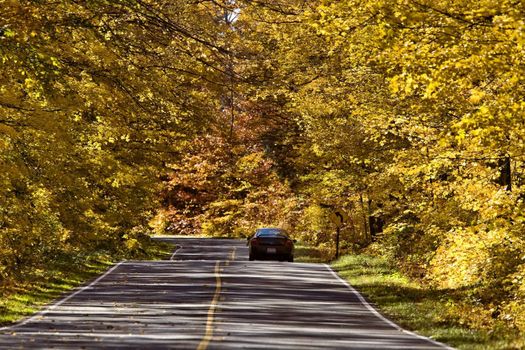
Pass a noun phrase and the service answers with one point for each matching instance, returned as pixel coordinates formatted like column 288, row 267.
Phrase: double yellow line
column 213, row 306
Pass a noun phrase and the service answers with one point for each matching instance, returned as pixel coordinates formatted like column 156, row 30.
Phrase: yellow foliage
column 464, row 252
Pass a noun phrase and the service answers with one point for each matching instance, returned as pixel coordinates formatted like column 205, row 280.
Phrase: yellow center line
column 211, row 311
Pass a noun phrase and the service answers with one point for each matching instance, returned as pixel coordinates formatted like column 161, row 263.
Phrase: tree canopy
column 216, row 117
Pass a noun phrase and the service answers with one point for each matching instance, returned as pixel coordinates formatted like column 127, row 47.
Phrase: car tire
column 251, row 258
column 290, row 258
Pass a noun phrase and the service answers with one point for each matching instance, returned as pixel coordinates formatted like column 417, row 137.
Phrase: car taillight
column 289, row 243
column 254, row 241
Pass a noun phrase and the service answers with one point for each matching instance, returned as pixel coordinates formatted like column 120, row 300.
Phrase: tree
column 96, row 97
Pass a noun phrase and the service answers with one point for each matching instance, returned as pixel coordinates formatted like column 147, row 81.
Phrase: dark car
column 271, row 243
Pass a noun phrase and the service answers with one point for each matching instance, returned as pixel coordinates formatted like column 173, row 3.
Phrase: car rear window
column 270, row 233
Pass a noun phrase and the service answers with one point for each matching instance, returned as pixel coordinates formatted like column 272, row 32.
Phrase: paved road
column 208, row 296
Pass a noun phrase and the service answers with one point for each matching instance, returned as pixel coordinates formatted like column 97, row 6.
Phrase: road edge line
column 179, row 247
column 50, row 307
column 379, row 315
column 211, row 311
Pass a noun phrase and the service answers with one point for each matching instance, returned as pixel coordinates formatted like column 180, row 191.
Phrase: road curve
column 209, row 296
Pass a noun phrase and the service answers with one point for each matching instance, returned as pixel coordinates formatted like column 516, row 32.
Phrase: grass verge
column 25, row 295
column 419, row 308
column 308, row 254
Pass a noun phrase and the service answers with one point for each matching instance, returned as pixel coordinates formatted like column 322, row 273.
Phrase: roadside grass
column 414, row 306
column 308, row 254
column 26, row 294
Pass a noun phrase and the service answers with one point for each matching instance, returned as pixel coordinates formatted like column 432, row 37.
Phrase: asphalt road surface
column 209, row 296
